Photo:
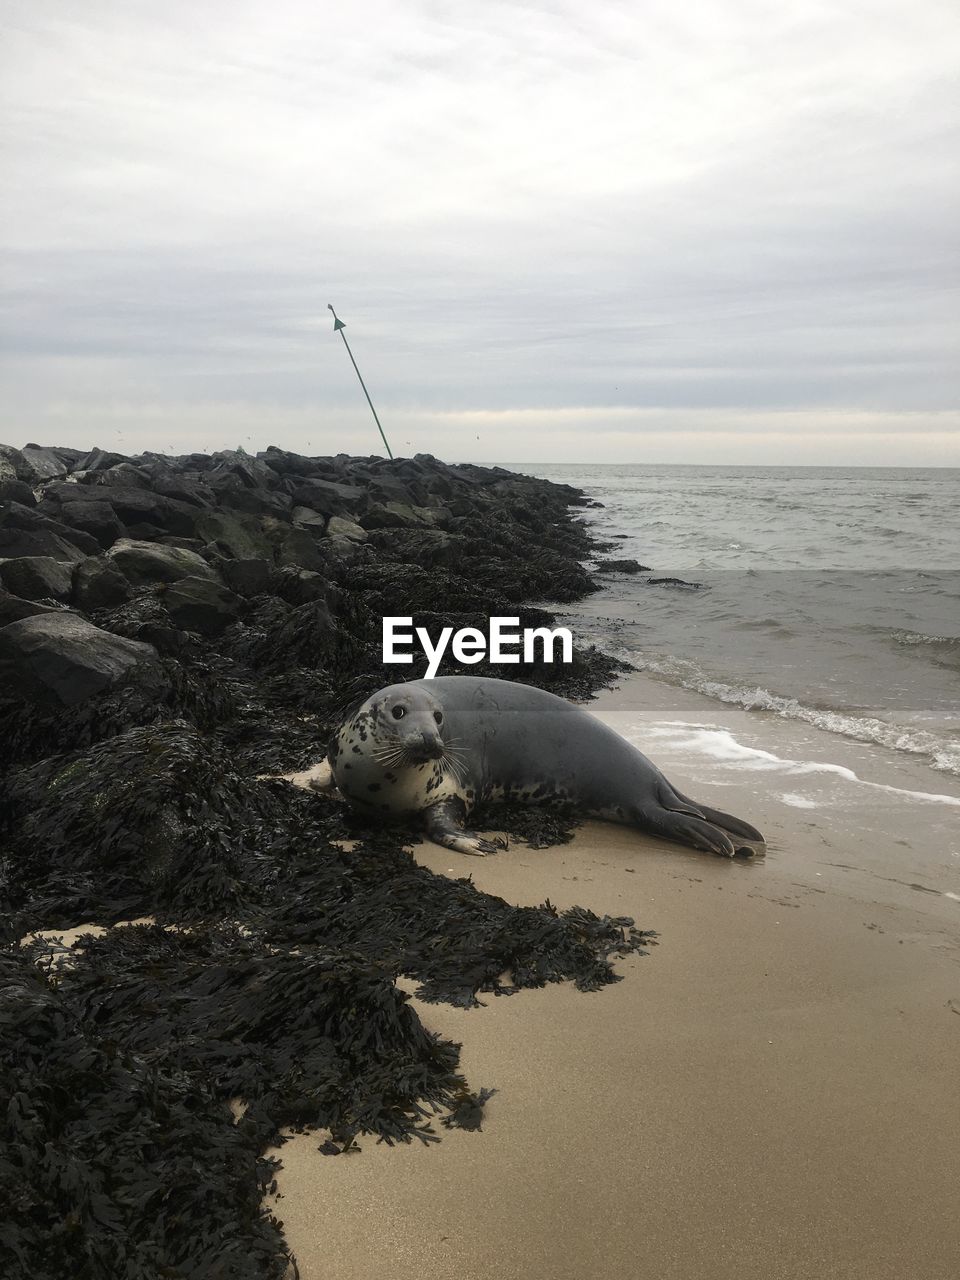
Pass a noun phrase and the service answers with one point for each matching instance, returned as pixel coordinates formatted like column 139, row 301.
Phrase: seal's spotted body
column 440, row 747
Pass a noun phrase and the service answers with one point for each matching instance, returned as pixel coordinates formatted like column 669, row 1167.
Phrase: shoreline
column 768, row 1092
column 630, row 1124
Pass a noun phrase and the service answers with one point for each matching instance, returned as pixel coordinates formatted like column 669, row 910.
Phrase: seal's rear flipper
column 443, row 823
column 735, row 826
column 686, row 829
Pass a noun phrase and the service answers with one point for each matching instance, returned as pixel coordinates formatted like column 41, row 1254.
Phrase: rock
column 99, row 584
column 398, row 515
column 37, row 578
column 622, row 566
column 200, row 605
column 61, row 658
column 283, row 463
column 301, row 586
column 37, row 519
column 328, row 497
column 248, row 576
column 12, row 490
column 135, row 506
column 100, row 460
column 12, row 608
column 98, row 519
column 429, row 547
column 306, row 515
column 43, row 463
column 299, row 548
column 674, row 582
column 143, row 563
column 339, row 527
column 12, row 466
column 37, row 542
column 235, row 535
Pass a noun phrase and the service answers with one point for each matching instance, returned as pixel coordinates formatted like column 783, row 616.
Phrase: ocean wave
column 721, row 745
column 941, row 754
column 919, row 637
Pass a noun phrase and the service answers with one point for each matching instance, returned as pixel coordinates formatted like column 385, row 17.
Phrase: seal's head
column 408, row 719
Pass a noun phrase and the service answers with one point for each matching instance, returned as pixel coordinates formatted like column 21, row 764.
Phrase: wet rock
column 38, row 542
column 13, row 608
column 99, row 584
column 13, row 490
column 328, row 497
column 98, row 519
column 674, row 582
column 398, row 515
column 307, row 516
column 622, row 566
column 302, row 586
column 43, row 463
column 299, row 547
column 419, row 546
column 340, row 527
column 200, row 605
column 236, row 535
column 144, row 563
column 61, row 658
column 248, row 577
column 100, row 460
column 12, row 466
column 37, row 578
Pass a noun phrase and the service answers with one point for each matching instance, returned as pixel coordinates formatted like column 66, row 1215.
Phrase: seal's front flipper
column 443, row 823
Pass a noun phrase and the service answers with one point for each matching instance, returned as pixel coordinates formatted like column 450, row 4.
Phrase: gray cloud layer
column 719, row 229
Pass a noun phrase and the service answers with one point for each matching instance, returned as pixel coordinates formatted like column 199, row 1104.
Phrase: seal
column 441, row 747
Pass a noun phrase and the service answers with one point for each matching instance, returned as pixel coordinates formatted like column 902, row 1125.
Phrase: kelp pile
column 169, row 639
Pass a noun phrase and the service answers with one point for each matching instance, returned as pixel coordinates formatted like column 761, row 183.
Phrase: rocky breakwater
column 274, row 561
column 174, row 633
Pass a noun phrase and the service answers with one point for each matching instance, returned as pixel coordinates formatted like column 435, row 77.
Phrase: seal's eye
column 438, row 716
column 399, row 713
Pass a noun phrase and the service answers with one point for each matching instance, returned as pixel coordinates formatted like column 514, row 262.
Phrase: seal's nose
column 432, row 745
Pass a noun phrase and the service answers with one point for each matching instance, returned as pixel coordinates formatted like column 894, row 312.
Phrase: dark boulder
column 302, row 586
column 328, row 497
column 37, row 578
column 43, row 464
column 98, row 519
column 13, row 608
column 37, row 542
column 427, row 547
column 200, row 605
column 300, row 548
column 340, row 527
column 248, row 576
column 100, row 460
column 143, row 563
column 400, row 515
column 99, row 584
column 13, row 490
column 622, row 566
column 307, row 516
column 60, row 658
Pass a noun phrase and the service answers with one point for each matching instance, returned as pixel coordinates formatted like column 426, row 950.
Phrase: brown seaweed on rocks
column 270, row 972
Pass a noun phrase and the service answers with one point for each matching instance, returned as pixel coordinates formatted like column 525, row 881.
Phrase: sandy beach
column 772, row 1092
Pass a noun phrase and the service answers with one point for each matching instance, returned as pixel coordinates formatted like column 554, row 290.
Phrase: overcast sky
column 625, row 232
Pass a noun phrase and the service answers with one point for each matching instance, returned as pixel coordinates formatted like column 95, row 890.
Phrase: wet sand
column 772, row 1092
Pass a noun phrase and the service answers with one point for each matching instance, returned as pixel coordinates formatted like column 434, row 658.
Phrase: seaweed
column 281, row 920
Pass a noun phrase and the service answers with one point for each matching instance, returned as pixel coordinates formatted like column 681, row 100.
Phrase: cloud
column 733, row 209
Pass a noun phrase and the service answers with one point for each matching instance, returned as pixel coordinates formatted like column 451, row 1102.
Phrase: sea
column 823, row 595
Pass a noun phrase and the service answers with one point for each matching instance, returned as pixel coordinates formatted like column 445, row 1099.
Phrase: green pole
column 338, row 325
